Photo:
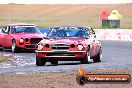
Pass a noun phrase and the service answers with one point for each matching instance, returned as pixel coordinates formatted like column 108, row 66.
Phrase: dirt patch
column 58, row 15
column 57, row 80
column 3, row 58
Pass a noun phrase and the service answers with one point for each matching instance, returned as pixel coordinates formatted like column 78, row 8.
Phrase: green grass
column 44, row 26
column 50, row 22
column 94, row 27
column 1, row 26
column 87, row 20
column 23, row 20
column 1, row 19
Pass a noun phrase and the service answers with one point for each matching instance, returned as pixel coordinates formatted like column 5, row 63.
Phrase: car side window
column 7, row 30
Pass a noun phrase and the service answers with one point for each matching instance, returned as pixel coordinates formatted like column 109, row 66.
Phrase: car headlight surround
column 40, row 47
column 80, row 46
column 21, row 40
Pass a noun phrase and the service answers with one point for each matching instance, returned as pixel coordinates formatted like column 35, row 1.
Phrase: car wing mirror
column 94, row 36
column 93, row 31
column 45, row 35
column 3, row 30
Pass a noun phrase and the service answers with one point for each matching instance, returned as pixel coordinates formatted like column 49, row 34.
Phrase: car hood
column 67, row 41
column 28, row 35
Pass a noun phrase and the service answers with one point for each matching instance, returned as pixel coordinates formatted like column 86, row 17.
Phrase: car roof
column 16, row 24
column 73, row 26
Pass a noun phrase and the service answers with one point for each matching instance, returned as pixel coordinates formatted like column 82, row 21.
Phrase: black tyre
column 54, row 62
column 14, row 47
column 98, row 57
column 40, row 61
column 1, row 48
column 86, row 60
column 81, row 80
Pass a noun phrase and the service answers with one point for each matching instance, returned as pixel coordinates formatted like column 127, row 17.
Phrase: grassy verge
column 3, row 58
column 45, row 26
column 94, row 27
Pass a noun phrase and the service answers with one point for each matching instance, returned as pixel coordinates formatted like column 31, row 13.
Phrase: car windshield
column 63, row 32
column 25, row 29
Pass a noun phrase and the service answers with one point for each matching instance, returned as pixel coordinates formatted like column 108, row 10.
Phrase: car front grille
column 60, row 54
column 60, row 47
column 30, row 46
column 35, row 40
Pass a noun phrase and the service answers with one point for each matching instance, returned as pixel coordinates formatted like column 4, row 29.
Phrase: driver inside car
column 81, row 33
column 28, row 29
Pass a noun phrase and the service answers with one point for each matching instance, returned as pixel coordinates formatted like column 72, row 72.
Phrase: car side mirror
column 94, row 36
column 3, row 30
column 45, row 35
column 93, row 31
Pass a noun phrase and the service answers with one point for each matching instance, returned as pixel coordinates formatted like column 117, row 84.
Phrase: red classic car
column 1, row 33
column 69, row 43
column 20, row 36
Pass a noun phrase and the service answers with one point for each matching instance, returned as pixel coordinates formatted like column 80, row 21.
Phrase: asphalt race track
column 116, row 54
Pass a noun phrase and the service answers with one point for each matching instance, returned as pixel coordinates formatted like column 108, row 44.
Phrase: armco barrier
column 114, row 34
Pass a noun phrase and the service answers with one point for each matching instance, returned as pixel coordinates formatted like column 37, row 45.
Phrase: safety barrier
column 118, row 34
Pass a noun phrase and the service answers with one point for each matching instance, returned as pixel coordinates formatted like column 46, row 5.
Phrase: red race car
column 20, row 36
column 1, row 34
column 69, row 43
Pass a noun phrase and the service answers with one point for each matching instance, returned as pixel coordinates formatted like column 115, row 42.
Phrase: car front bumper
column 61, row 54
column 28, row 46
column 66, row 51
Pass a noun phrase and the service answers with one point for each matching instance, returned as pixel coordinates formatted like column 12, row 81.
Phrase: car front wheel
column 14, row 47
column 40, row 61
column 87, row 58
column 98, row 57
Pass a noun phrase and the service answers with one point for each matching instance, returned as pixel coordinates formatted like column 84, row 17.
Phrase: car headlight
column 80, row 46
column 21, row 40
column 40, row 47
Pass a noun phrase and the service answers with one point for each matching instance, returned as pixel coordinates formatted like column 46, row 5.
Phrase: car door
column 1, row 37
column 7, row 37
column 92, row 39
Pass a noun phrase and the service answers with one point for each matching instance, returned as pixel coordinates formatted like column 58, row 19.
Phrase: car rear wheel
column 98, row 56
column 14, row 47
column 40, row 61
column 87, row 58
column 54, row 62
